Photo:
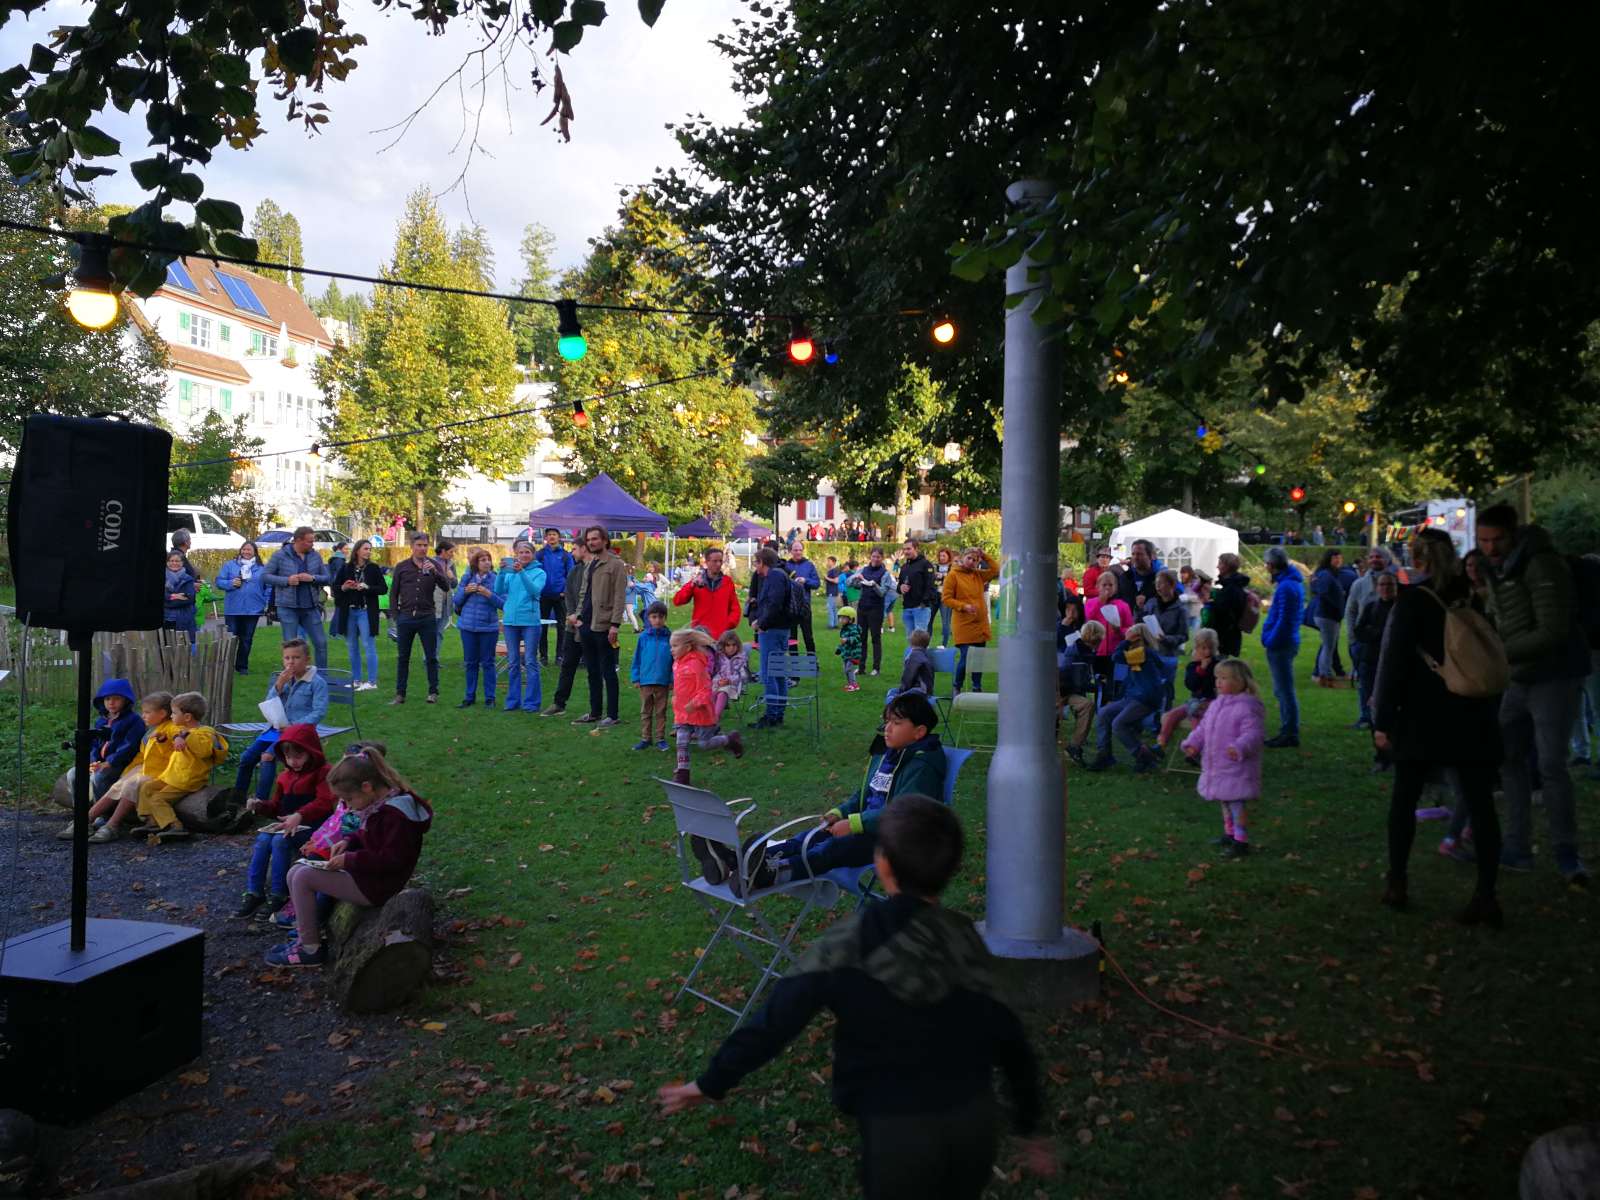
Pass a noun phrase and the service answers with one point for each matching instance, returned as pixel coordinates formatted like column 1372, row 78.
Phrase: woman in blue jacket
column 477, row 607
column 242, row 582
column 520, row 586
column 1280, row 635
column 177, row 605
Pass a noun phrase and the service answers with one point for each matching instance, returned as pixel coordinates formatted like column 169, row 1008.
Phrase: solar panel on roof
column 178, row 277
column 241, row 293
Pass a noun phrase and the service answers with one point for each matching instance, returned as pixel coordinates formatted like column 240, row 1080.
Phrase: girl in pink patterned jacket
column 1228, row 744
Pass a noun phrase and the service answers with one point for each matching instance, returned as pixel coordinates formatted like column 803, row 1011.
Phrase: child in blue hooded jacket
column 652, row 675
column 114, row 740
column 520, row 585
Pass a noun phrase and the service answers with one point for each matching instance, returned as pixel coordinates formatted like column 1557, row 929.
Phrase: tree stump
column 211, row 1181
column 61, row 793
column 381, row 955
column 210, row 810
column 1562, row 1165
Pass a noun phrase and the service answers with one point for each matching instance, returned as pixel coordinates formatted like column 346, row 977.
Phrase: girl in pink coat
column 693, row 703
column 1228, row 744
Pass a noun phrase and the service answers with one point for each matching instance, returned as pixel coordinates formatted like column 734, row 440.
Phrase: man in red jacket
column 716, row 599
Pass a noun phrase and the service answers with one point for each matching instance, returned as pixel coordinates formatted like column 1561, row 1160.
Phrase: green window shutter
column 227, row 398
column 255, row 342
column 183, row 320
column 227, row 332
column 185, row 397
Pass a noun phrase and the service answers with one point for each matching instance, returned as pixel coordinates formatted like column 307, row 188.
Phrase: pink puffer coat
column 1237, row 721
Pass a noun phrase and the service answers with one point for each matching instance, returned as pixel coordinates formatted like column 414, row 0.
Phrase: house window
column 258, row 408
column 200, row 332
column 227, row 399
column 224, row 333
column 263, row 343
column 816, row 510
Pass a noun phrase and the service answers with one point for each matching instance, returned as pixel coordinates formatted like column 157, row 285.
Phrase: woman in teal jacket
column 519, row 584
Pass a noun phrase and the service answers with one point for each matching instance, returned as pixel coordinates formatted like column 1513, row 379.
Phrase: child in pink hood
column 1228, row 744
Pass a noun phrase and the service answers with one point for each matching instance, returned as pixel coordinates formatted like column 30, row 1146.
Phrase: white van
column 207, row 531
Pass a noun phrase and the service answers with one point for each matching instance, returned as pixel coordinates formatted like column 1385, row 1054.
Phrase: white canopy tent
column 1180, row 540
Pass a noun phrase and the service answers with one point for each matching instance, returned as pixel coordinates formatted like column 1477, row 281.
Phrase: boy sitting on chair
column 920, row 1026
column 912, row 760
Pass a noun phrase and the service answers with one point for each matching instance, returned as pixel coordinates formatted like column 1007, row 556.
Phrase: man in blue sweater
column 769, row 618
column 1280, row 635
column 296, row 575
column 557, row 563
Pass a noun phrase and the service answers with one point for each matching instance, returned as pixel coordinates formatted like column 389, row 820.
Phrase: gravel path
column 277, row 1053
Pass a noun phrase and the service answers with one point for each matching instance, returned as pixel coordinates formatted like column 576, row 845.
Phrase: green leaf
column 219, row 214
column 92, row 143
column 973, row 265
column 149, row 173
column 297, row 50
column 649, row 10
column 42, row 60
column 548, row 11
column 188, row 187
column 236, row 246
column 16, row 77
column 588, row 12
column 566, row 35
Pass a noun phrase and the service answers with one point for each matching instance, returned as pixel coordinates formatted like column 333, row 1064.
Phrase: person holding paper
column 1111, row 612
column 296, row 696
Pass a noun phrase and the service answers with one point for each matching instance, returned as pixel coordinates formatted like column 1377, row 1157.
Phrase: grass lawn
column 1419, row 1058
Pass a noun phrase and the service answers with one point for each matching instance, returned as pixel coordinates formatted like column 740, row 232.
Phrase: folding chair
column 700, row 813
column 862, row 882
column 981, row 660
column 795, row 667
column 341, row 690
column 943, row 659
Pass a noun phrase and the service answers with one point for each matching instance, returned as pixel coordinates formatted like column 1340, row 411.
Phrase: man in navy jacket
column 769, row 618
column 557, row 563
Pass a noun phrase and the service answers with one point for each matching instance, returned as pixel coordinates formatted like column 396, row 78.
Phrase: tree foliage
column 199, row 73
column 422, row 360
column 223, row 484
column 535, row 324
column 782, row 471
column 680, row 448
column 334, row 304
column 277, row 235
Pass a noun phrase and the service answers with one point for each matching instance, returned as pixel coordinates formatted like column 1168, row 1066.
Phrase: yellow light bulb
column 944, row 332
column 92, row 309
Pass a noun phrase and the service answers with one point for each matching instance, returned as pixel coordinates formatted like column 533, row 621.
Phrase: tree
column 198, row 73
column 50, row 364
column 335, row 305
column 277, row 235
column 224, row 482
column 679, row 447
column 422, row 360
column 783, row 471
column 535, row 324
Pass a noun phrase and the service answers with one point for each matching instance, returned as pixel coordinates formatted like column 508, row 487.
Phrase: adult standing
column 181, row 541
column 769, row 618
column 297, row 576
column 556, row 562
column 598, row 623
column 336, row 561
column 803, row 569
column 917, row 590
column 522, row 585
column 1421, row 725
column 356, row 589
column 444, row 558
column 416, row 582
column 943, row 561
column 966, row 591
column 1327, row 610
column 1280, row 636
column 714, row 595
column 1229, row 601
column 1533, row 601
column 477, row 605
column 1362, row 592
column 1136, row 582
column 874, row 581
column 571, row 656
column 830, row 582
column 242, row 582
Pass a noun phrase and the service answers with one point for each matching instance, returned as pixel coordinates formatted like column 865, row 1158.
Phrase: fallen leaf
column 435, row 1026
column 194, row 1078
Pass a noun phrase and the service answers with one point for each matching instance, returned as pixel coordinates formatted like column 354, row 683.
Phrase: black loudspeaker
column 88, row 523
column 79, row 1030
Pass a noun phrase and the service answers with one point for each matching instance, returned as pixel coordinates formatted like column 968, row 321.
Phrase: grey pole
column 1026, row 809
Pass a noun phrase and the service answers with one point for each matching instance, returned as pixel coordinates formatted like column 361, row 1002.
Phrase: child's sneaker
column 1145, row 760
column 284, row 917
column 1075, row 753
column 1236, row 849
column 248, row 905
column 1454, row 848
column 662, row 745
column 272, row 906
column 852, row 687
column 295, row 955
column 681, row 775
column 736, row 744
column 643, row 744
column 172, row 833
column 107, row 833
column 1102, row 762
column 65, row 835
column 717, row 861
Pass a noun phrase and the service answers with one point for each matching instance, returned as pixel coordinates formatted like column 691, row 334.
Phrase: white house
column 505, row 503
column 239, row 344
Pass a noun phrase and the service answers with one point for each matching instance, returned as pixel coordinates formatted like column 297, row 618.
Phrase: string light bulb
column 570, row 342
column 1261, row 468
column 830, row 354
column 1349, row 507
column 91, row 302
column 579, row 417
column 1297, row 494
column 944, row 331
column 801, row 348
column 1200, row 431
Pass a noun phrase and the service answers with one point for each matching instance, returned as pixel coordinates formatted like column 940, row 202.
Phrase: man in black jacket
column 920, row 1025
column 1136, row 582
column 769, row 618
column 413, row 586
column 1228, row 602
column 919, row 594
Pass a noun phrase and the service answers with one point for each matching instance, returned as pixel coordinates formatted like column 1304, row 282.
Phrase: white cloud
column 627, row 82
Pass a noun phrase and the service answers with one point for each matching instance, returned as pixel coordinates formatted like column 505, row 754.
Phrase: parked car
column 207, row 531
column 323, row 540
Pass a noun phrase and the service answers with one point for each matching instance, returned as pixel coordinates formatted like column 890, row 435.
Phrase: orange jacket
column 691, row 689
column 961, row 587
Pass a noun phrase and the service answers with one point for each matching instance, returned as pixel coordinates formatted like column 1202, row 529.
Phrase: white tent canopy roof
column 1180, row 539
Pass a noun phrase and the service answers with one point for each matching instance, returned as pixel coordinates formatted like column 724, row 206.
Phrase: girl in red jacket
column 369, row 867
column 693, row 702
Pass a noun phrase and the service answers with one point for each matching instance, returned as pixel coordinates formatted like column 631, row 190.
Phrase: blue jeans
column 833, row 610
column 280, row 850
column 522, row 646
column 918, row 618
column 1123, row 718
column 1280, row 664
column 961, row 667
column 828, row 853
column 1328, row 651
column 774, row 687
column 306, row 623
column 244, row 629
column 247, row 764
column 1365, row 672
column 944, row 624
column 359, row 635
column 477, row 650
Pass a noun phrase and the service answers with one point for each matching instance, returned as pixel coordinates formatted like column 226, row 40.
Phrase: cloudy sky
column 347, row 190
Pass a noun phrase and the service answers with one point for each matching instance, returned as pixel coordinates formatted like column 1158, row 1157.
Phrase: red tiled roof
column 203, row 362
column 284, row 305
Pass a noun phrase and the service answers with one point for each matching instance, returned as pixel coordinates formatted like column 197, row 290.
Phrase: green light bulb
column 1261, row 468
column 572, row 347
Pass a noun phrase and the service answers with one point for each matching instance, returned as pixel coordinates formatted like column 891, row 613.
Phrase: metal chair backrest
column 943, row 659
column 794, row 666
column 698, row 811
column 954, row 760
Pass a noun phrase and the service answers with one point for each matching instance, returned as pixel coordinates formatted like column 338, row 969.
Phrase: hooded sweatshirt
column 116, row 743
column 1237, row 722
column 918, row 768
column 920, row 1025
column 383, row 854
column 306, row 791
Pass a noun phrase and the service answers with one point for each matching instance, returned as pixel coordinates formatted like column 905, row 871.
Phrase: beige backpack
column 1475, row 663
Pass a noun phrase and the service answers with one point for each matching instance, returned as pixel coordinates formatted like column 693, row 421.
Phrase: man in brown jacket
column 597, row 620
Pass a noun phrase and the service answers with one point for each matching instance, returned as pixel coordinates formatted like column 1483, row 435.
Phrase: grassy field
column 1277, row 1033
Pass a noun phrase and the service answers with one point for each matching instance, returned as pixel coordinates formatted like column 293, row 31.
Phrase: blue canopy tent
column 700, row 527
column 599, row 502
column 744, row 527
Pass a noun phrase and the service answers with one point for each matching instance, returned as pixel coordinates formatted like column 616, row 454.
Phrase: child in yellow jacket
column 195, row 750
column 155, row 749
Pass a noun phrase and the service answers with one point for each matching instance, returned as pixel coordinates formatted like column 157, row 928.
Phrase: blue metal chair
column 943, row 659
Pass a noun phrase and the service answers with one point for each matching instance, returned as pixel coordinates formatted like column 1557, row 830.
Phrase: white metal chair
column 795, row 667
column 739, row 915
column 981, row 660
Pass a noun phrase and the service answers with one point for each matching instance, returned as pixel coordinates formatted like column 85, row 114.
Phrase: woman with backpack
column 1423, row 725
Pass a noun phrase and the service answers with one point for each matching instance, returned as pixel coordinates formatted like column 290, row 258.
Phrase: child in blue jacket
column 1145, row 693
column 520, row 585
column 652, row 675
column 114, row 740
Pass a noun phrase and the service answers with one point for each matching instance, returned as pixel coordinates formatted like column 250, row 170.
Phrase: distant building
column 497, row 509
column 242, row 345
